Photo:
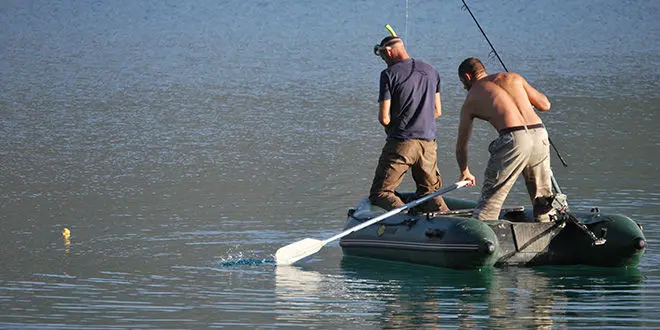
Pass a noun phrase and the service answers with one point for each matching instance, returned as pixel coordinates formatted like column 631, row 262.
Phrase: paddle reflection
column 307, row 297
column 298, row 293
column 292, row 281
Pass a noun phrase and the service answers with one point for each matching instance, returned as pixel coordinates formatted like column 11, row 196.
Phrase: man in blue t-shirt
column 409, row 101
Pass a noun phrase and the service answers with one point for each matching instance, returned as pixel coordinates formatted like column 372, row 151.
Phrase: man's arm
column 538, row 99
column 384, row 112
column 438, row 106
column 464, row 132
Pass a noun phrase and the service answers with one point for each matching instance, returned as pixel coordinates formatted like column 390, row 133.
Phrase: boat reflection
column 540, row 298
column 388, row 294
column 415, row 296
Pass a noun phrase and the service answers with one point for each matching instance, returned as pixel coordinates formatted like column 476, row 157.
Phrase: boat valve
column 490, row 247
column 640, row 243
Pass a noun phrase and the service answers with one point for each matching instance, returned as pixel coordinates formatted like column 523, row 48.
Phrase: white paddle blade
column 287, row 255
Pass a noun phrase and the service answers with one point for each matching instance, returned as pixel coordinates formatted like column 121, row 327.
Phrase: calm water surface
column 183, row 143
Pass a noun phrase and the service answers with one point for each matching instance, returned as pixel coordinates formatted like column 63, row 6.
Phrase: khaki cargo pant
column 420, row 156
column 526, row 152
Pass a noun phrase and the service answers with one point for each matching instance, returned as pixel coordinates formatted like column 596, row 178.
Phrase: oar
column 293, row 252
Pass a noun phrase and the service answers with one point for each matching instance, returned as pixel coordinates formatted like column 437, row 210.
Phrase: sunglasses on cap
column 378, row 49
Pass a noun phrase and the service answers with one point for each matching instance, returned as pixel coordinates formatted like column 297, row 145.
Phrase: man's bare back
column 505, row 100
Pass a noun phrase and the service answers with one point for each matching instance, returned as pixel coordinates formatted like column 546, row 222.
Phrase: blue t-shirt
column 411, row 86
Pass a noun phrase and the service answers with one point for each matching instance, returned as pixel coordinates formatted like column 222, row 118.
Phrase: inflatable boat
column 454, row 239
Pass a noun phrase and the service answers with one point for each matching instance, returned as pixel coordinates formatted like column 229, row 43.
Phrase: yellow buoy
column 66, row 234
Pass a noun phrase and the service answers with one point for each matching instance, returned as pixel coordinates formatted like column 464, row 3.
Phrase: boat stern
column 623, row 246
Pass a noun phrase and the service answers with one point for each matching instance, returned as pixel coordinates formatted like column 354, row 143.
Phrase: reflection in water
column 520, row 296
column 66, row 235
column 297, row 291
column 308, row 297
column 607, row 296
column 541, row 298
column 415, row 295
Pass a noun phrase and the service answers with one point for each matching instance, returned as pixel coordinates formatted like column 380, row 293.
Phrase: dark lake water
column 183, row 143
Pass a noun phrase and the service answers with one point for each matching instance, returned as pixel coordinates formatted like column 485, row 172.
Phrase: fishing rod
column 505, row 69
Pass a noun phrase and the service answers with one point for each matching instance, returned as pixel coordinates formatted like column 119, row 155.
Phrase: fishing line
column 405, row 26
column 505, row 69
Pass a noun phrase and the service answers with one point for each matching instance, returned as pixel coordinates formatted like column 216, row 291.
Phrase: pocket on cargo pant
column 491, row 175
column 500, row 142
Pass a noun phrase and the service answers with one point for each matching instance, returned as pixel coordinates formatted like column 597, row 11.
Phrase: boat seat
column 365, row 210
column 515, row 213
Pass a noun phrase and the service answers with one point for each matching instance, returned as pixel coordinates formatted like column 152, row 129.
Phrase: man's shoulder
column 504, row 76
column 479, row 92
column 427, row 69
column 469, row 98
column 398, row 68
column 425, row 64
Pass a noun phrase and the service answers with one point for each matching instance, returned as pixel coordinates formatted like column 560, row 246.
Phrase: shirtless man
column 505, row 100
